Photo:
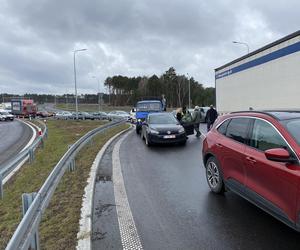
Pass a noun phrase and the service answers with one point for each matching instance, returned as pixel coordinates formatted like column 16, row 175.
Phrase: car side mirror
column 278, row 154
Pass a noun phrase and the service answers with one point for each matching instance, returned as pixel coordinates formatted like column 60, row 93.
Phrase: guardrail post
column 71, row 165
column 31, row 155
column 27, row 199
column 42, row 142
column 1, row 186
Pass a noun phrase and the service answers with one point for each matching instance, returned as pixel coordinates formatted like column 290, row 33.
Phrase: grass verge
column 31, row 176
column 91, row 107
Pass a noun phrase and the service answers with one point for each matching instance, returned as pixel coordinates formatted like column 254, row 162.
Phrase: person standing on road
column 164, row 102
column 196, row 119
column 211, row 116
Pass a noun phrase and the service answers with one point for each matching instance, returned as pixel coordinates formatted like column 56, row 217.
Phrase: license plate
column 169, row 136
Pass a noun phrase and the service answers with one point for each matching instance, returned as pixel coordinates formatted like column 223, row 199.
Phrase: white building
column 268, row 78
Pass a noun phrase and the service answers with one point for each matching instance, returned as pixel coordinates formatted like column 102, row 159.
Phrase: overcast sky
column 129, row 37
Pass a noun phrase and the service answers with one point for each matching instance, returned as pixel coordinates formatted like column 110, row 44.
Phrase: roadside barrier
column 21, row 157
column 34, row 204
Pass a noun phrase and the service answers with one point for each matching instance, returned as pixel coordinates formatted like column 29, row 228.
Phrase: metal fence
column 26, row 234
column 22, row 156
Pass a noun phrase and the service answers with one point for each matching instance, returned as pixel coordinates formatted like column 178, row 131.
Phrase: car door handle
column 219, row 145
column 251, row 159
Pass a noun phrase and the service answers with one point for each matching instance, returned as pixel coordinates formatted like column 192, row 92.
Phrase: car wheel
column 183, row 143
column 214, row 176
column 137, row 129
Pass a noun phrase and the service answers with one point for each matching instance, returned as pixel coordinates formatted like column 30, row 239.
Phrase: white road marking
column 129, row 235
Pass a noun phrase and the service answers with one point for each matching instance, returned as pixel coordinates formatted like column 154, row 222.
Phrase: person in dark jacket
column 211, row 116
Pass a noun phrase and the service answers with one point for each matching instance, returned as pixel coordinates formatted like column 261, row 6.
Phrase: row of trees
column 128, row 90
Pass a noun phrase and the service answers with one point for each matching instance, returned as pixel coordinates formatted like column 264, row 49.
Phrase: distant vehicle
column 132, row 115
column 43, row 114
column 23, row 107
column 144, row 108
column 64, row 115
column 83, row 116
column 118, row 115
column 7, row 116
column 256, row 155
column 100, row 116
column 162, row 128
column 2, row 118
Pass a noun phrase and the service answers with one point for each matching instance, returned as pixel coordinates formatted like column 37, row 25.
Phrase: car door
column 271, row 183
column 231, row 147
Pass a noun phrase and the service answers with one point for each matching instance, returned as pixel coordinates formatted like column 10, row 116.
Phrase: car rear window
column 237, row 129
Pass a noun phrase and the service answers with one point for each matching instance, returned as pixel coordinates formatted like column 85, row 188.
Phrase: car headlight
column 181, row 130
column 139, row 120
column 153, row 131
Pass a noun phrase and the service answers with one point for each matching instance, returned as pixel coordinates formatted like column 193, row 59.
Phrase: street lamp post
column 99, row 101
column 76, row 100
column 189, row 90
column 243, row 43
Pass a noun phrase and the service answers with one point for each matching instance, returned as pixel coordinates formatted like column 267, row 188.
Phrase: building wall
column 271, row 85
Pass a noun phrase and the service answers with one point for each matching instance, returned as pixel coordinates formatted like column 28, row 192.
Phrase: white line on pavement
column 129, row 235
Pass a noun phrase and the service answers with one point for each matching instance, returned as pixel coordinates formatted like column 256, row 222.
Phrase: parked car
column 83, row 116
column 118, row 115
column 256, row 155
column 7, row 116
column 64, row 115
column 2, row 118
column 162, row 128
column 100, row 116
column 43, row 114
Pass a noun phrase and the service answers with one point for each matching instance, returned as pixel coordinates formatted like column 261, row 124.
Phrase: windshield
column 162, row 119
column 293, row 127
column 150, row 106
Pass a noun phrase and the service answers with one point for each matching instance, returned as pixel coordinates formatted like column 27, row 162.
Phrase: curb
column 85, row 223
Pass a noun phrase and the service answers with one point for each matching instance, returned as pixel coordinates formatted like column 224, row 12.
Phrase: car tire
column 137, row 129
column 214, row 176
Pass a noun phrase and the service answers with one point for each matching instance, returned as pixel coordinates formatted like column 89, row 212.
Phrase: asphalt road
column 173, row 208
column 14, row 137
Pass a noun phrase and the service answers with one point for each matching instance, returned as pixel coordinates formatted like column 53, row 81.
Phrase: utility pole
column 243, row 43
column 74, row 60
column 189, row 90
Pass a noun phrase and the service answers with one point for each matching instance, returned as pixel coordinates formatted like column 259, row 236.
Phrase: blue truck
column 145, row 107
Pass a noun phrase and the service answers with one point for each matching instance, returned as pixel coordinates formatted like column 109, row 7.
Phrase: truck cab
column 145, row 107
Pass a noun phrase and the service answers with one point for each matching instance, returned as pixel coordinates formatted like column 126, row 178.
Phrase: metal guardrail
column 27, row 153
column 27, row 230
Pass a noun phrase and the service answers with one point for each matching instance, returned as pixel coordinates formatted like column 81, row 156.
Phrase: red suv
column 256, row 155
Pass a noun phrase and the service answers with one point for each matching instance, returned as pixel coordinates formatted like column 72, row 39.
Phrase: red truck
column 23, row 107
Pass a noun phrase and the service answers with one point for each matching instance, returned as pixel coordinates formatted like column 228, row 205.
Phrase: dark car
column 162, row 128
column 256, row 155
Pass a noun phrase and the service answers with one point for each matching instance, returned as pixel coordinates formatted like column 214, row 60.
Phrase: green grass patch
column 91, row 107
column 31, row 177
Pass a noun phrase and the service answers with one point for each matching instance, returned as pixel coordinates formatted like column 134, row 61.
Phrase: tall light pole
column 76, row 101
column 189, row 90
column 99, row 102
column 243, row 43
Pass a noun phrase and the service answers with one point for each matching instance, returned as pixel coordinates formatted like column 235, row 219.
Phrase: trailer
column 23, row 107
column 268, row 78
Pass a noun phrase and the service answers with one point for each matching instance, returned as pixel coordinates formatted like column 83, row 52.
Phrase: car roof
column 279, row 115
column 147, row 101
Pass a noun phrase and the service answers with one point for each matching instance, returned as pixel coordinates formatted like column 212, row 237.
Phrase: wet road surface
column 173, row 208
column 14, row 136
